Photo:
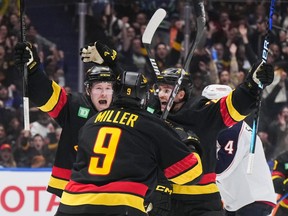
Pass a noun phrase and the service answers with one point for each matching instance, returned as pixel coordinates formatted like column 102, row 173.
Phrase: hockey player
column 71, row 111
column 120, row 151
column 206, row 118
column 242, row 193
column 204, row 198
column 280, row 181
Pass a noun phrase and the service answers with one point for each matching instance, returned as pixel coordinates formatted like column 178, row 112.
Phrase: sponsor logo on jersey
column 83, row 112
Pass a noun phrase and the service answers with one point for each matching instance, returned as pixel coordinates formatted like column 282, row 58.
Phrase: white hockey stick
column 147, row 37
column 201, row 21
column 148, row 34
column 24, row 69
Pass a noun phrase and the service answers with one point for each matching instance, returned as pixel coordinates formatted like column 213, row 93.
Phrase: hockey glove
column 98, row 53
column 161, row 200
column 190, row 139
column 260, row 73
column 26, row 53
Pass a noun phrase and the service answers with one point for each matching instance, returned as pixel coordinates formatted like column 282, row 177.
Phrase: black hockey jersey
column 280, row 181
column 71, row 112
column 120, row 151
column 207, row 118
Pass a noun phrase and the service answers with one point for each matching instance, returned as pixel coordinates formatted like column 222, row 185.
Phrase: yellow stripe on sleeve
column 53, row 100
column 191, row 174
column 232, row 111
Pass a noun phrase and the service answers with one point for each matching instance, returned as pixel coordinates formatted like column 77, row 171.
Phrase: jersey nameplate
column 119, row 117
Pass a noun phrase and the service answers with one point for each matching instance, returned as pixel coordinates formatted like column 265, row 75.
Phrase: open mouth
column 164, row 103
column 102, row 102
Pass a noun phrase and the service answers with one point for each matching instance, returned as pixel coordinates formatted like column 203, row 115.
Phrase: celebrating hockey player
column 119, row 154
column 206, row 118
column 70, row 111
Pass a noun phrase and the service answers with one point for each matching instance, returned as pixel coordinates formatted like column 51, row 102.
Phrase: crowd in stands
column 230, row 44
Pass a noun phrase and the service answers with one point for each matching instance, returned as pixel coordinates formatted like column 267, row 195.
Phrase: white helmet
column 216, row 91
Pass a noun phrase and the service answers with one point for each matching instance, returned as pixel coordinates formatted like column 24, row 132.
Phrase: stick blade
column 153, row 24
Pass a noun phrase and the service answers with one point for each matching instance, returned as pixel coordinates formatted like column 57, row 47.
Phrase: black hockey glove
column 260, row 73
column 26, row 53
column 161, row 200
column 99, row 53
column 190, row 139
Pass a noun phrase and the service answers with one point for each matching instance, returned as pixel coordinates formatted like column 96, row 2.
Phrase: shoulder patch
column 83, row 112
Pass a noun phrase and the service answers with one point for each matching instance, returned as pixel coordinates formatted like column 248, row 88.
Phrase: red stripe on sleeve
column 277, row 173
column 60, row 104
column 61, row 173
column 228, row 121
column 181, row 166
column 207, row 178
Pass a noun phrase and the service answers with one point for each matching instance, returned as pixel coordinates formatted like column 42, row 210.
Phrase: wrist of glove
column 161, row 200
column 260, row 74
column 99, row 53
column 190, row 139
column 26, row 53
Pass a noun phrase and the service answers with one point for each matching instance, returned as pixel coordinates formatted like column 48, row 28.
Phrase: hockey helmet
column 132, row 88
column 170, row 76
column 100, row 74
column 216, row 91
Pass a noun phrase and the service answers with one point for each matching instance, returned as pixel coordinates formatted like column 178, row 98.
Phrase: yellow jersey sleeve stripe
column 53, row 100
column 57, row 183
column 190, row 174
column 232, row 111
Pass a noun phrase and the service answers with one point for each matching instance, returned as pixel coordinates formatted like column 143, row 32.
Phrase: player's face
column 101, row 95
column 165, row 91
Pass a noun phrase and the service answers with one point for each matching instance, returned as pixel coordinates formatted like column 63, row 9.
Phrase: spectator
column 10, row 97
column 6, row 156
column 46, row 147
column 3, row 135
column 40, row 126
column 278, row 131
column 25, row 154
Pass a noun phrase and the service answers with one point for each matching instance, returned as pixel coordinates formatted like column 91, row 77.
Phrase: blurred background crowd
column 231, row 43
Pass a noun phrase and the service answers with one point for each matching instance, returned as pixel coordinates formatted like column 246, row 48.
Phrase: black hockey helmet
column 132, row 89
column 170, row 76
column 100, row 74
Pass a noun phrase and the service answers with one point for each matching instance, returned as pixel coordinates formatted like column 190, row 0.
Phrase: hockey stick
column 201, row 20
column 282, row 198
column 258, row 106
column 24, row 69
column 148, row 34
column 147, row 37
